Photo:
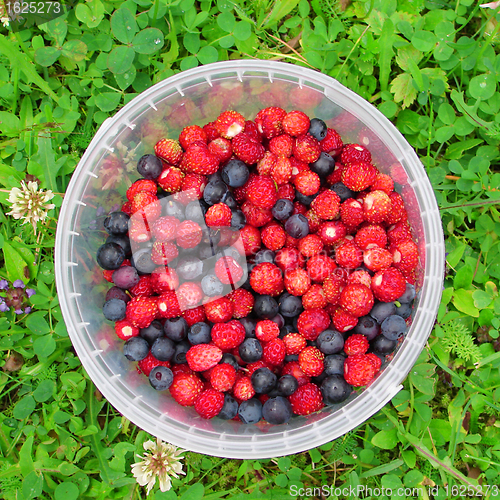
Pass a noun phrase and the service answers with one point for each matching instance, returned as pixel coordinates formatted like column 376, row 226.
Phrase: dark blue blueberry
column 283, row 209
column 229, row 200
column 383, row 345
column 163, row 349
column 408, row 295
column 189, row 268
column 205, row 251
column 114, row 309
column 277, row 410
column 152, row 332
column 324, row 165
column 393, row 327
column 149, row 166
column 264, row 255
column 330, row 342
column 343, row 191
column 333, row 364
column 297, row 226
column 287, row 385
column 335, row 389
column 382, row 310
column 279, row 320
column 265, row 307
column 285, row 330
column 290, row 305
column 305, row 200
column 195, row 211
column 249, row 326
column 125, row 277
column 318, row 129
column 250, row 411
column 116, row 223
column 123, row 240
column 136, row 349
column 263, row 380
column 228, row 358
column 110, row 256
column 181, row 348
column 161, row 378
column 291, row 357
column 199, row 333
column 404, row 310
column 368, row 327
column 214, row 192
column 210, row 236
column 173, row 208
column 229, row 409
column 238, row 220
column 175, row 329
column 141, row 260
column 250, row 350
column 117, row 293
column 235, row 173
column 211, row 285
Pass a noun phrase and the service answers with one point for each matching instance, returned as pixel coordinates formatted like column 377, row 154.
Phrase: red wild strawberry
column 306, row 399
column 376, row 361
column 170, row 180
column 294, row 343
column 296, row 123
column 311, row 361
column 306, row 148
column 307, row 182
column 164, row 279
column 377, row 259
column 190, row 134
column 359, row 176
column 320, row 267
column 228, row 335
column 310, row 245
column 168, row 305
column 267, row 163
column 144, row 288
column 247, row 149
column 141, row 311
column 194, row 315
column 273, row 352
column 281, row 172
column 201, row 357
column 229, row 124
column 211, row 130
column 336, row 175
column 219, row 310
column 193, row 186
column 314, row 298
column 377, row 206
column 149, row 362
column 326, row 205
column 266, row 279
column 169, row 150
column 299, row 208
column 222, row 377
column 351, row 213
column 405, row 255
column 189, row 294
column 288, row 258
column 252, row 131
column 125, row 329
column 331, row 231
column 218, row 215
column 108, row 275
column 261, row 191
column 343, row 321
column 360, row 277
column 388, row 285
column 209, row 403
column 371, row 236
column 332, row 288
column 297, row 166
column 313, row 220
column 228, row 270
column 221, row 148
column 243, row 302
column 243, row 388
column 189, row 234
column 273, row 236
column 281, row 145
column 256, row 216
column 252, row 367
column 312, row 322
column 269, row 121
column 185, row 388
column 399, row 232
column 349, row 255
column 147, row 205
column 266, row 330
column 383, row 182
column 354, row 153
column 163, row 253
column 356, row 299
column 197, row 159
column 165, row 228
column 398, row 211
column 127, row 208
column 356, row 344
column 297, row 281
column 358, row 370
column 141, row 185
column 250, row 237
column 332, row 143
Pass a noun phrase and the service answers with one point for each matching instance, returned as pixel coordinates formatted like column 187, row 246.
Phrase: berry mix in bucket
column 261, row 268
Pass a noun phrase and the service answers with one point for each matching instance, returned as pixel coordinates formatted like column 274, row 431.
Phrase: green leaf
column 9, row 123
column 75, row 50
column 463, row 301
column 386, row 53
column 281, row 9
column 44, row 346
column 47, row 56
column 455, row 255
column 46, row 158
column 108, row 101
column 481, row 299
column 25, row 456
column 482, row 86
column 58, row 29
column 123, row 25
column 421, row 376
column 382, row 469
column 37, row 324
column 44, row 391
column 120, row 59
column 385, row 439
column 126, row 79
column 14, row 263
column 66, row 491
column 456, row 150
column 242, row 31
column 194, row 492
column 446, row 113
column 32, row 485
column 24, row 407
column 148, row 41
column 424, row 40
column 91, row 13
column 403, row 89
column 208, row 54
column 191, row 42
column 226, row 21
column 463, row 278
column 413, row 478
column 27, row 256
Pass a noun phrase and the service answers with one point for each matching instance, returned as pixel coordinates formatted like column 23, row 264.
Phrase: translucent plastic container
column 99, row 183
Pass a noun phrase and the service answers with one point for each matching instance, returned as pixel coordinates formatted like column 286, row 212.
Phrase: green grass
column 432, row 67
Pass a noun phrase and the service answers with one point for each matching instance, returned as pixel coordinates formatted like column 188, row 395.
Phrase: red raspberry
column 164, row 279
column 247, row 149
column 243, row 389
column 331, row 231
column 221, row 148
column 296, row 123
column 163, row 252
column 306, row 148
column 170, row 180
column 311, row 361
column 189, row 295
column 229, row 124
column 360, row 277
column 294, row 343
column 141, row 311
column 398, row 233
column 141, row 185
column 358, row 370
column 281, row 172
column 228, row 270
column 332, row 143
column 405, row 255
column 388, row 285
column 320, row 267
column 356, row 344
column 307, row 182
column 218, row 215
column 306, row 399
column 313, row 220
column 194, row 315
column 273, row 352
column 185, row 388
column 376, row 206
column 273, row 236
column 201, row 357
column 359, row 176
column 332, row 288
column 228, row 335
column 243, row 302
column 326, row 205
column 266, row 279
column 310, row 245
column 288, row 258
column 165, row 228
column 255, row 216
column 281, row 145
column 314, row 298
column 168, row 305
column 297, row 281
column 312, row 322
column 383, row 182
column 349, row 255
column 144, row 288
column 261, row 191
column 266, row 330
column 149, row 362
column 211, row 131
column 189, row 234
column 343, row 321
column 269, row 121
column 293, row 368
column 267, row 163
column 209, row 403
column 219, row 310
column 197, row 159
column 354, row 153
column 398, row 211
column 190, row 134
column 250, row 237
column 356, row 299
column 222, row 377
column 351, row 213
column 377, row 259
column 371, row 236
column 125, row 329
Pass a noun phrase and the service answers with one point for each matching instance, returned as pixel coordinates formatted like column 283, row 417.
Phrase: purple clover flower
column 30, row 292
column 4, row 284
column 18, row 284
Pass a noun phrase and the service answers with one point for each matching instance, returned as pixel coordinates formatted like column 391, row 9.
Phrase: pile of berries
column 261, row 268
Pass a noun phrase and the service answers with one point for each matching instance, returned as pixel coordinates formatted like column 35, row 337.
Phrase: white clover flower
column 161, row 461
column 490, row 5
column 30, row 203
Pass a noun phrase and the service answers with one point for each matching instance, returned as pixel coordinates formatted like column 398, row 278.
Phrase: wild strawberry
column 209, row 403
column 222, row 377
column 332, row 288
column 376, row 206
column 252, row 367
column 311, row 361
column 252, row 131
column 201, row 357
column 354, row 153
column 228, row 335
column 193, row 186
column 273, row 236
column 197, row 159
column 194, row 315
column 189, row 294
column 356, row 344
column 281, row 145
column 243, row 302
column 314, row 298
column 266, row 279
column 299, row 208
column 313, row 220
column 269, row 121
column 297, row 167
column 149, row 362
column 398, row 210
column 360, row 277
column 359, row 176
column 349, row 255
column 266, row 330
column 343, row 321
column 169, row 150
column 141, row 311
column 377, row 259
column 326, row 205
column 165, row 228
column 296, row 123
column 250, row 237
column 351, row 213
column 405, row 255
column 261, row 191
column 312, row 322
column 185, row 388
column 306, row 399
column 383, row 182
column 273, row 352
column 229, row 124
column 188, row 234
column 190, row 134
column 267, row 163
column 127, row 207
column 164, row 279
column 356, row 299
column 144, row 288
column 219, row 310
column 320, row 267
column 141, row 185
column 306, row 148
column 228, row 270
column 168, row 305
column 108, row 275
column 221, row 148
column 243, row 388
column 256, row 216
column 332, row 143
column 247, row 149
column 331, row 231
column 291, row 242
column 370, row 236
column 218, row 215
column 297, row 281
column 163, row 253
column 388, row 285
column 211, row 130
column 125, row 329
column 281, row 172
column 399, row 232
column 358, row 370
column 288, row 258
column 147, row 205
column 310, row 245
column 170, row 180
column 307, row 182
column 376, row 361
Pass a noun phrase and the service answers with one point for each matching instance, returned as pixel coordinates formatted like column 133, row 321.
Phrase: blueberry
column 161, row 378
column 383, row 345
column 285, row 330
column 149, row 166
column 163, row 349
column 181, row 348
column 196, row 210
column 114, row 309
column 264, row 255
column 291, row 357
column 123, row 240
column 199, row 333
column 265, row 306
column 141, row 260
column 249, row 326
column 289, row 305
column 368, row 327
column 229, row 408
column 333, row 364
column 175, row 329
column 136, row 349
column 205, row 251
column 287, row 385
column 404, row 310
column 279, row 320
column 173, row 208
column 324, row 165
column 117, row 293
column 189, row 268
column 229, row 200
column 277, row 410
column 238, row 220
column 393, row 327
column 210, row 236
column 283, row 209
column 297, row 226
column 263, row 380
column 343, row 191
column 212, row 286
column 125, row 277
column 110, row 256
column 382, row 310
column 214, row 192
column 305, row 200
column 235, row 173
column 408, row 295
column 330, row 342
column 152, row 332
column 335, row 389
column 250, row 411
column 116, row 223
column 318, row 129
column 250, row 350
column 228, row 358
